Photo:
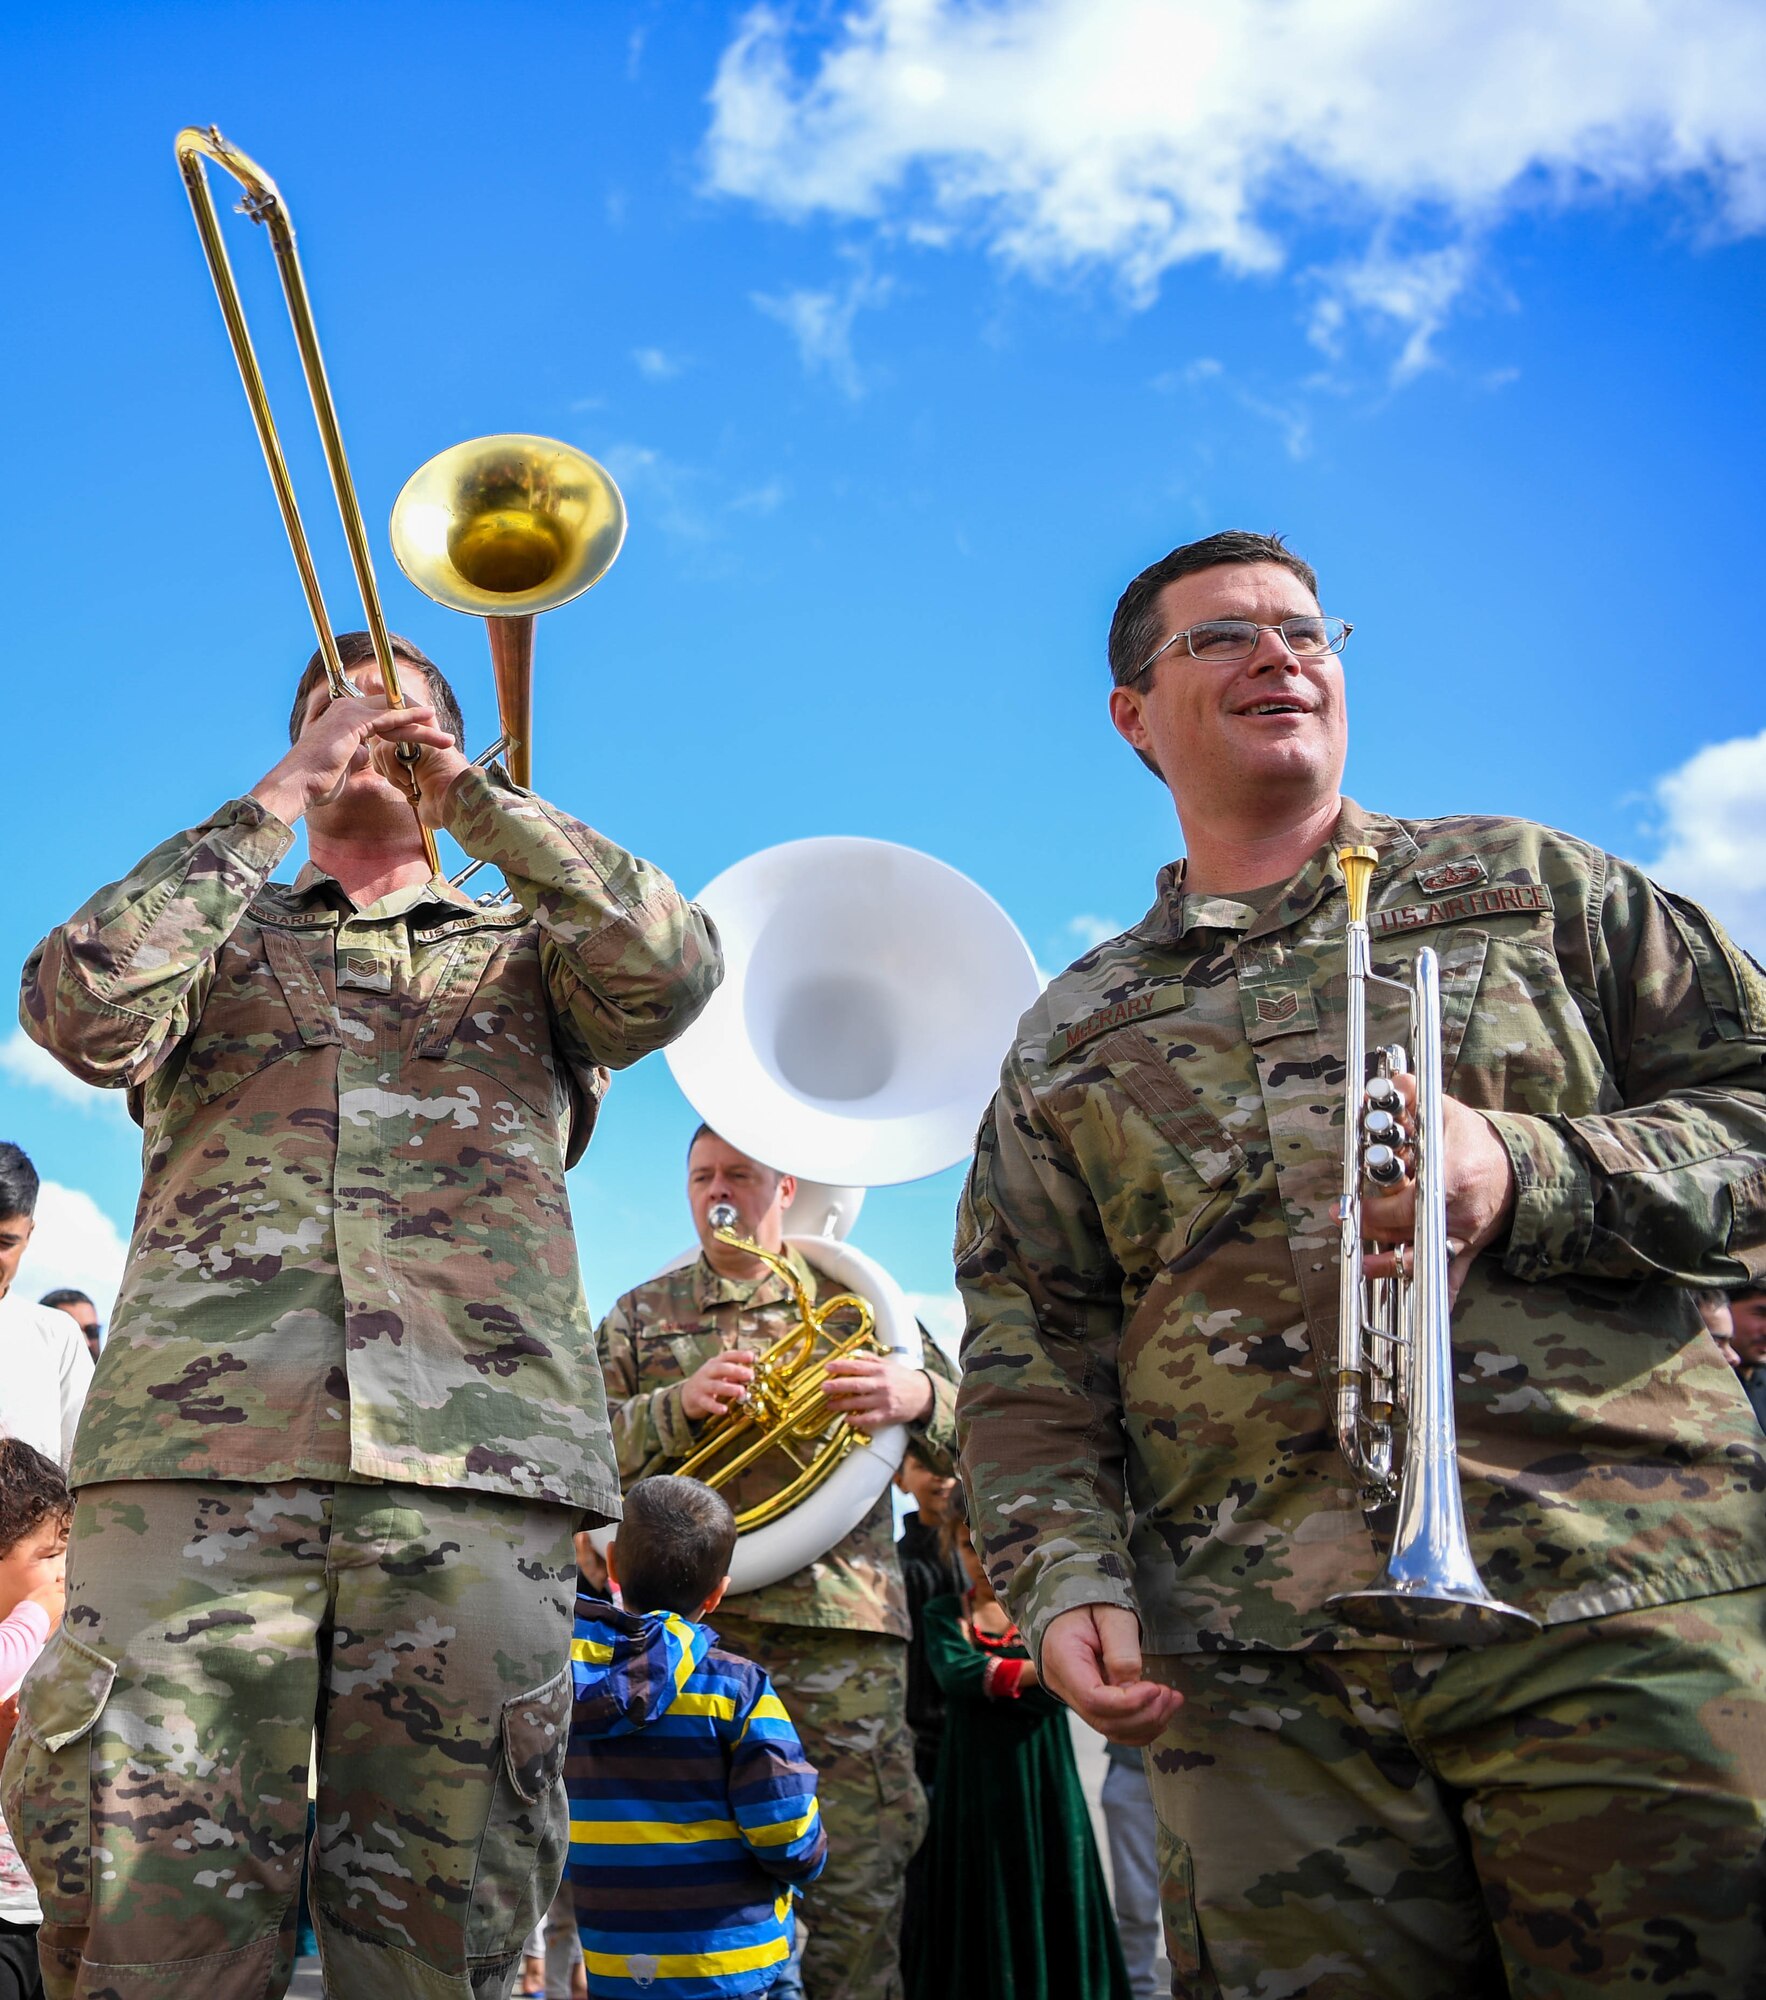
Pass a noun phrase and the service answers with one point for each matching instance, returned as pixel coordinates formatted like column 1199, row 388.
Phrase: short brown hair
column 356, row 649
column 1134, row 631
column 675, row 1540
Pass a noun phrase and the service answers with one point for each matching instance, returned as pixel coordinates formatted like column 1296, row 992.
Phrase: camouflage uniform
column 833, row 1636
column 1149, row 1257
column 353, row 1313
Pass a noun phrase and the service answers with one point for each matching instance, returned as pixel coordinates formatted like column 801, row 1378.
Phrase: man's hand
column 715, row 1384
column 341, row 739
column 1091, row 1658
column 1479, row 1179
column 872, row 1391
column 435, row 770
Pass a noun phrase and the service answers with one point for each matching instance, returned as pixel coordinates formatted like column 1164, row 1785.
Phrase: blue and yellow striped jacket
column 692, row 1810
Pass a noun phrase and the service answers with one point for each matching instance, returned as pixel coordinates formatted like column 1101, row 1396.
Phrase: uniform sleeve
column 936, row 1434
column 115, row 989
column 1673, row 1184
column 629, row 962
column 1039, row 1408
column 773, row 1790
column 649, row 1425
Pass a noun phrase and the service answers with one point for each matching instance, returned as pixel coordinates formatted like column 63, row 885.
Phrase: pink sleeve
column 23, row 1635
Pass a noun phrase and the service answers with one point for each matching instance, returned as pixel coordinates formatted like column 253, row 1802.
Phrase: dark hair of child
column 674, row 1545
column 32, row 1491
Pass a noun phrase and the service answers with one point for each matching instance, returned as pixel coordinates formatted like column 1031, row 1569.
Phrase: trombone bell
column 507, row 526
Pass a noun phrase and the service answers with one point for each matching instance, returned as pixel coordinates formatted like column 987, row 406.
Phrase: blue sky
column 911, row 331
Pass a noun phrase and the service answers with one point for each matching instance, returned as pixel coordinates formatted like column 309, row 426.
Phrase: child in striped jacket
column 692, row 1806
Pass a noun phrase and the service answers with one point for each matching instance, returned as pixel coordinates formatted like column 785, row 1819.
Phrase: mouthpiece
column 721, row 1215
column 1357, row 864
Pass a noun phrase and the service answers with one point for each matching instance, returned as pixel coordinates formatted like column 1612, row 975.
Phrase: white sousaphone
column 870, row 993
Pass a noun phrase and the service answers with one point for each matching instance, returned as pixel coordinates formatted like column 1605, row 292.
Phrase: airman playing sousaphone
column 840, row 954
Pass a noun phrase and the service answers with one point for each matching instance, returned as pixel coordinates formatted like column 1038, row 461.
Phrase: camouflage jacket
column 649, row 1344
column 1147, row 1249
column 353, row 1253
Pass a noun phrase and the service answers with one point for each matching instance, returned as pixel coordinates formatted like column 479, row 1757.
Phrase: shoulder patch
column 1160, row 999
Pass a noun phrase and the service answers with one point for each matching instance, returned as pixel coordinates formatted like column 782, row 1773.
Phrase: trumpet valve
column 1383, row 1166
column 1382, row 1095
column 1382, row 1128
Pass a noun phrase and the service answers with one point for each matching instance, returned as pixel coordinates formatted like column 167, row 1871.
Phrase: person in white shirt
column 45, row 1369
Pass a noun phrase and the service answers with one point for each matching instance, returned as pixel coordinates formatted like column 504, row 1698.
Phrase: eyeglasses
column 1223, row 640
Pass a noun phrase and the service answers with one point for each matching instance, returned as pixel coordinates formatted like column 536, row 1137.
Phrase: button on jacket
column 657, row 1335
column 1148, row 1252
column 353, row 1255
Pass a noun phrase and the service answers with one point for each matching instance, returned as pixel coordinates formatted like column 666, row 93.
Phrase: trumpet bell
column 509, row 526
column 870, row 994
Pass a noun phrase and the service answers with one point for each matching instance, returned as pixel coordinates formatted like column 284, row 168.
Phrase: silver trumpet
column 1394, row 1339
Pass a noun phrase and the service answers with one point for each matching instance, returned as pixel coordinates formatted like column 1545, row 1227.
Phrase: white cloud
column 941, row 1314
column 689, row 503
column 821, row 325
column 1136, row 135
column 1413, row 294
column 74, row 1243
column 24, row 1062
column 674, row 492
column 766, row 498
column 1090, row 930
column 1713, row 834
column 656, row 364
column 1208, row 377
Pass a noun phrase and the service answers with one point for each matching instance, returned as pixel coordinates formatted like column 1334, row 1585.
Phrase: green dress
column 1016, row 1907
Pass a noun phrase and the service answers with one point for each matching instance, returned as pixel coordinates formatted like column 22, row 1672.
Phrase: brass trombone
column 1394, row 1335
column 505, row 527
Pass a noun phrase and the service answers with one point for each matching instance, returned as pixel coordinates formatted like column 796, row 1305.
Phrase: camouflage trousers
column 847, row 1694
column 1576, row 1814
column 157, row 1782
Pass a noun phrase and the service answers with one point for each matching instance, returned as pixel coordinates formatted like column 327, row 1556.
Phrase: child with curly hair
column 35, row 1510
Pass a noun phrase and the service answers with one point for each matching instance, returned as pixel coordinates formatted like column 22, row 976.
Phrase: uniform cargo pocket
column 250, row 1020
column 527, row 1831
column 901, row 1813
column 1140, row 1070
column 46, row 1789
column 1190, row 1977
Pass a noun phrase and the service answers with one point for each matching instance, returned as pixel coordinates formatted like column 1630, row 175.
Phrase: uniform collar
column 709, row 1289
column 1175, row 914
column 313, row 885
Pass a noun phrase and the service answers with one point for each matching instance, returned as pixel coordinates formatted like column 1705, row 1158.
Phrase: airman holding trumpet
column 1149, row 1252
column 349, row 1412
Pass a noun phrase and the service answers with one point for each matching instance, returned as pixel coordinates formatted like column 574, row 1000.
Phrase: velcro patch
column 1448, row 875
column 1507, row 899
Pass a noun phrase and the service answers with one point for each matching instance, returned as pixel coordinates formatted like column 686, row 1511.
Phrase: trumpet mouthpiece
column 721, row 1215
column 1357, row 864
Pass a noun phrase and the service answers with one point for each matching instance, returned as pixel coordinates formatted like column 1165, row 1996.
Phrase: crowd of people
column 1004, row 1896
column 354, row 1430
